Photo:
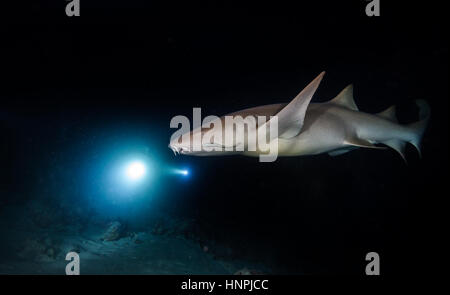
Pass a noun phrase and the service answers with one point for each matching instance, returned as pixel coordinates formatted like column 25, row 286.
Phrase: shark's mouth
column 174, row 149
column 179, row 150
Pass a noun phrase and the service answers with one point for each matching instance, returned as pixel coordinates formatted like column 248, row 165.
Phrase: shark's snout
column 177, row 149
column 174, row 149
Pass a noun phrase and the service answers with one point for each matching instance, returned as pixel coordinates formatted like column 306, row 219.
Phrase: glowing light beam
column 183, row 172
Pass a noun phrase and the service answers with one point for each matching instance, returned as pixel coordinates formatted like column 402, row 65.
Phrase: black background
column 139, row 63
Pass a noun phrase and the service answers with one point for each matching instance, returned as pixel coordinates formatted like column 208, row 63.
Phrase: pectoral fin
column 398, row 146
column 291, row 117
column 358, row 142
column 341, row 151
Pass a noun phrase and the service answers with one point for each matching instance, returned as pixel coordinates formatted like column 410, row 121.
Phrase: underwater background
column 82, row 95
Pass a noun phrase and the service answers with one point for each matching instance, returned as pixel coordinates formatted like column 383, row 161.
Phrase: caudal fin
column 418, row 128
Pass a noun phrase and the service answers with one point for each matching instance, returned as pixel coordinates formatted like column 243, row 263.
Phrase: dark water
column 78, row 94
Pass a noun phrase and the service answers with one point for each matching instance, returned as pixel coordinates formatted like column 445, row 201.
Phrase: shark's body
column 333, row 127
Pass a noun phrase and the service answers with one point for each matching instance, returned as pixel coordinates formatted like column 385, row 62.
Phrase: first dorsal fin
column 345, row 98
column 291, row 117
column 389, row 114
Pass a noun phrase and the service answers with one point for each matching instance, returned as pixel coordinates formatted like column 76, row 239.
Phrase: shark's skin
column 333, row 127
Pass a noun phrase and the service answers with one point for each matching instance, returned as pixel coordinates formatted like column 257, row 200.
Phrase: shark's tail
column 418, row 128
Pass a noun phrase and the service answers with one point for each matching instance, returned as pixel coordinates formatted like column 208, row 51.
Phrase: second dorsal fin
column 389, row 114
column 345, row 98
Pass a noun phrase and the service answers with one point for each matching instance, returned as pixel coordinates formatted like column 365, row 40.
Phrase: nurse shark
column 304, row 128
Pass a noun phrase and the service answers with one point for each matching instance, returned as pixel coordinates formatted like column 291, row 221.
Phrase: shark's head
column 199, row 142
column 230, row 134
column 180, row 146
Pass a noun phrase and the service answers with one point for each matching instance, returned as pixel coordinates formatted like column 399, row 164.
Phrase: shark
column 335, row 127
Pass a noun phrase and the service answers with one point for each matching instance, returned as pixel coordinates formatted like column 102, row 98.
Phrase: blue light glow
column 128, row 177
column 135, row 170
column 123, row 176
